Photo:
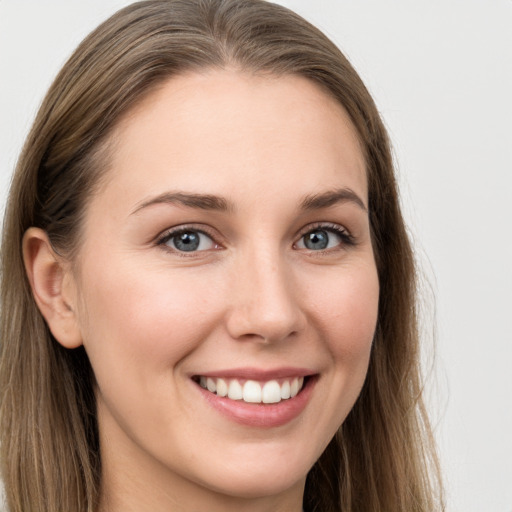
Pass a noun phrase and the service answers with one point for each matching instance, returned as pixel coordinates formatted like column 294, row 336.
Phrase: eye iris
column 188, row 241
column 316, row 240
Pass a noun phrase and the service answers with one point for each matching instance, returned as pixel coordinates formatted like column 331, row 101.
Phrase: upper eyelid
column 347, row 239
column 333, row 226
column 167, row 235
column 170, row 232
column 216, row 237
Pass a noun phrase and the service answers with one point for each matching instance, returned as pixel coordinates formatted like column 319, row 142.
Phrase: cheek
column 345, row 314
column 147, row 317
column 347, row 309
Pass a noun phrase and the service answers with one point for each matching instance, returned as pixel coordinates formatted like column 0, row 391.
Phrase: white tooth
column 252, row 392
column 271, row 392
column 202, row 382
column 285, row 390
column 222, row 387
column 301, row 382
column 294, row 388
column 235, row 390
column 210, row 384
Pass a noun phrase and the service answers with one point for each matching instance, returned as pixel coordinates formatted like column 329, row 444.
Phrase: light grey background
column 441, row 74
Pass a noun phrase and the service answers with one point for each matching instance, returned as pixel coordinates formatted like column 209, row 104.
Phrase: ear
column 53, row 287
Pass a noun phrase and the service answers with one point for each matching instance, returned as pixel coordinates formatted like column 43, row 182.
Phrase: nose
column 265, row 304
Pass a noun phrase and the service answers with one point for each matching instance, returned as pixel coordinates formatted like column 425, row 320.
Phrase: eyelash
column 172, row 233
column 347, row 240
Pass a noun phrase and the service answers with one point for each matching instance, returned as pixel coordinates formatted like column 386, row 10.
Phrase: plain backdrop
column 441, row 74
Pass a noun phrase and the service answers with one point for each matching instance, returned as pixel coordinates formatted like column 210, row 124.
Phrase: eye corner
column 187, row 241
column 324, row 237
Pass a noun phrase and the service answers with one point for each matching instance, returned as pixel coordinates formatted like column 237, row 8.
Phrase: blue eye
column 188, row 240
column 323, row 238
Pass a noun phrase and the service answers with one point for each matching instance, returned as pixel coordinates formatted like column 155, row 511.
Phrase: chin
column 253, row 475
column 251, row 485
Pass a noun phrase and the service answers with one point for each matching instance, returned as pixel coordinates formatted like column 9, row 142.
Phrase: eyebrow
column 331, row 198
column 199, row 201
column 216, row 203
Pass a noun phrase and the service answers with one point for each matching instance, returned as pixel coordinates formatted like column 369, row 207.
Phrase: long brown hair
column 382, row 458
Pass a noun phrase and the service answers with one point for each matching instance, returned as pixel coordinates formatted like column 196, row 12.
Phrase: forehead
column 228, row 130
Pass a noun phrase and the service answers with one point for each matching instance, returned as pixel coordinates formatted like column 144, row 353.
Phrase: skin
column 254, row 296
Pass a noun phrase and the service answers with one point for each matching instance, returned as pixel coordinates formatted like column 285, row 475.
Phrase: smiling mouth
column 252, row 391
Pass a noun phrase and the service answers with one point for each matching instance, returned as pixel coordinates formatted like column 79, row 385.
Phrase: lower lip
column 262, row 415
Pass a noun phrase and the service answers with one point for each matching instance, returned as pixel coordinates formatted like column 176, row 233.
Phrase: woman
column 208, row 295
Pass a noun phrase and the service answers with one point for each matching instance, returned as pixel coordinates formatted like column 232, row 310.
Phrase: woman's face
column 229, row 247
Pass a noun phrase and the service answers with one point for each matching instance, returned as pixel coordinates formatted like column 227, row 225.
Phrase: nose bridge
column 265, row 304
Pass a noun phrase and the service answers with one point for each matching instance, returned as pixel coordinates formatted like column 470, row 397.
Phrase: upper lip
column 259, row 374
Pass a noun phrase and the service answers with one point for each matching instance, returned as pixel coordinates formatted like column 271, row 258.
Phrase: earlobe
column 52, row 287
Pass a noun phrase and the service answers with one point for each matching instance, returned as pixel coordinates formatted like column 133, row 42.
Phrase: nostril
column 265, row 305
column 268, row 337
